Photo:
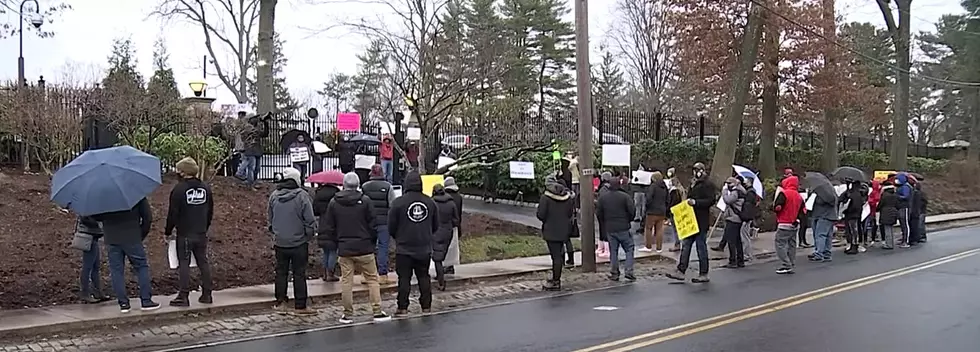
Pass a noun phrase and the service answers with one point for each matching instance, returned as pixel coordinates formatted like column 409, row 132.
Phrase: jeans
column 199, row 248
column 136, row 254
column 785, row 244
column 387, row 166
column 294, row 259
column 699, row 240
column 619, row 240
column 247, row 165
column 405, row 266
column 822, row 238
column 329, row 259
column 91, row 280
column 733, row 235
column 381, row 251
column 887, row 236
column 302, row 167
column 556, row 250
column 365, row 265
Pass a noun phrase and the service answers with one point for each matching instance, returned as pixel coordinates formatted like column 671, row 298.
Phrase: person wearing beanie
column 452, row 257
column 378, row 190
column 412, row 220
column 443, row 237
column 292, row 224
column 556, row 209
column 350, row 228
column 191, row 210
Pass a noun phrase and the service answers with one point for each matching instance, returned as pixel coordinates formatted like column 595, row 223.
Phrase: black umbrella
column 292, row 136
column 820, row 185
column 848, row 172
column 364, row 138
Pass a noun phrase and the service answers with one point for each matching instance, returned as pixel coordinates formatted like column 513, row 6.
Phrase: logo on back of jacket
column 196, row 196
column 418, row 212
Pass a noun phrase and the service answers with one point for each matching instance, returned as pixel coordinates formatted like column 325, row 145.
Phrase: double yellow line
column 655, row 337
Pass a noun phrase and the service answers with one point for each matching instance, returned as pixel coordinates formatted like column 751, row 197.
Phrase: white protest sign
column 642, row 177
column 364, row 161
column 443, row 161
column 299, row 154
column 172, row 255
column 320, row 147
column 616, row 155
column 413, row 134
column 523, row 170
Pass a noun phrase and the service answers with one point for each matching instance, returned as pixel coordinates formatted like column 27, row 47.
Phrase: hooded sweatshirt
column 350, row 224
column 904, row 190
column 788, row 203
column 734, row 197
column 291, row 217
column 555, row 210
column 874, row 197
column 413, row 219
column 615, row 210
column 888, row 206
column 191, row 209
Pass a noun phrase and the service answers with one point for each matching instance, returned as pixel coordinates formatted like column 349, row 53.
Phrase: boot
column 552, row 285
column 180, row 301
column 205, row 298
column 330, row 277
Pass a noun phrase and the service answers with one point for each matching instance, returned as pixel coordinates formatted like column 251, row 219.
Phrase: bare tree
column 644, row 37
column 227, row 26
column 43, row 119
column 901, row 35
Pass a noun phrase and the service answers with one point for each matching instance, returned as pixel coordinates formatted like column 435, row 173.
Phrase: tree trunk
column 831, row 113
column 770, row 97
column 900, row 121
column 264, row 70
column 721, row 167
column 973, row 151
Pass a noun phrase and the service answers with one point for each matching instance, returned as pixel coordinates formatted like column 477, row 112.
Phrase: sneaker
column 180, row 302
column 344, row 319
column 613, row 277
column 677, row 275
column 717, row 249
column 88, row 299
column 426, row 310
column 569, row 264
column 675, row 249
column 148, row 306
column 784, row 271
column 701, row 279
column 205, row 299
column 450, row 270
column 862, row 249
column 630, row 278
column 814, row 258
column 124, row 308
column 827, row 260
column 401, row 313
column 645, row 249
column 660, row 251
column 904, row 245
column 382, row 317
column 551, row 286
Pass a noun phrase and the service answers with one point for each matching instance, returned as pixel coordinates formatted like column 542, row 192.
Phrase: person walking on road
column 656, row 214
column 90, row 289
column 124, row 234
column 675, row 195
column 555, row 210
column 191, row 211
column 378, row 190
column 321, row 201
column 443, row 237
column 787, row 207
column 888, row 215
column 412, row 220
column 734, row 196
column 350, row 227
column 615, row 210
column 292, row 224
column 452, row 257
column 702, row 197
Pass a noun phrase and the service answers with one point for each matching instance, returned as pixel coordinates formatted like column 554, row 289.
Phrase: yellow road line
column 769, row 307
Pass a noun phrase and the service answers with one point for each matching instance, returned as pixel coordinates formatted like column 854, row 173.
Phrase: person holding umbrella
column 120, row 206
column 328, row 184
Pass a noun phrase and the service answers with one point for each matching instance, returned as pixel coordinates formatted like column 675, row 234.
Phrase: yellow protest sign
column 428, row 181
column 883, row 175
column 684, row 221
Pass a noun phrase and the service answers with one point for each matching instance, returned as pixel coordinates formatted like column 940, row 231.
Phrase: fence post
column 701, row 128
column 601, row 117
column 657, row 128
column 741, row 130
column 811, row 140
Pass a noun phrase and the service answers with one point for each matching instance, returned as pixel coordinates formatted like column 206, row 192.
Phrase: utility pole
column 584, row 92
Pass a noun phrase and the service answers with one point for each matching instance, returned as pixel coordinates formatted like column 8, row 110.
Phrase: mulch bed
column 38, row 269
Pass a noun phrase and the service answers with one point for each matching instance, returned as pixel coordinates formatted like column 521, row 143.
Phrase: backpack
column 750, row 207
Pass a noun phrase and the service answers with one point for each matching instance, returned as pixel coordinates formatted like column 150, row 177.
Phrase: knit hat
column 290, row 173
column 450, row 184
column 376, row 170
column 657, row 176
column 188, row 166
column 438, row 189
column 605, row 176
column 351, row 181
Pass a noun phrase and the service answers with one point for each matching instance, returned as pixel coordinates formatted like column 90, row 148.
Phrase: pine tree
column 163, row 98
column 372, row 96
column 554, row 55
column 124, row 96
column 608, row 84
column 284, row 100
column 518, row 18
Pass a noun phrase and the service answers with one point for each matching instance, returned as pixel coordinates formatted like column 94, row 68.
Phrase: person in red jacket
column 870, row 223
column 787, row 207
column 387, row 152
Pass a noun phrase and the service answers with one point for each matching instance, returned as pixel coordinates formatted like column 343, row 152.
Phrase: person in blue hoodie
column 905, row 198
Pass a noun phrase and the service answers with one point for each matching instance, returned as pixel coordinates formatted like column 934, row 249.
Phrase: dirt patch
column 38, row 269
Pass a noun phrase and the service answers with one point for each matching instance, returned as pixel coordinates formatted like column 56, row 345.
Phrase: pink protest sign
column 349, row 121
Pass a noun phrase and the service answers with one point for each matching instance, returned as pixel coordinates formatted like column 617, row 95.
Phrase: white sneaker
column 660, row 251
column 645, row 249
column 345, row 320
column 861, row 249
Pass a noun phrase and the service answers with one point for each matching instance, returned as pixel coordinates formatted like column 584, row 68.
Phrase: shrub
column 170, row 147
column 927, row 166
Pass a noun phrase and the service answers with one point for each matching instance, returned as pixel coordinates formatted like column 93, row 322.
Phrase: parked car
column 458, row 141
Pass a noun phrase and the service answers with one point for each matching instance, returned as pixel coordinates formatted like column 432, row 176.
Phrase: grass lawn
column 496, row 247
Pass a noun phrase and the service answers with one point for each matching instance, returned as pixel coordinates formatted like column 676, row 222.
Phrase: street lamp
column 36, row 21
column 198, row 87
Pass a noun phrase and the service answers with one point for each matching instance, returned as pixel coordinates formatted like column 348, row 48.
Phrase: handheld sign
column 684, row 220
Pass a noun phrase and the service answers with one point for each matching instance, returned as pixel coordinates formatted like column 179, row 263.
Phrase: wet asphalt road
column 921, row 311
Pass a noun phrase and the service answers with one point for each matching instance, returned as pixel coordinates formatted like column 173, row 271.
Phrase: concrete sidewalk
column 49, row 320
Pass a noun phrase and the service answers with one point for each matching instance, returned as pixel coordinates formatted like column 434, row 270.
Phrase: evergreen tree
column 608, row 84
column 284, row 100
column 518, row 18
column 554, row 56
column 124, row 96
column 163, row 98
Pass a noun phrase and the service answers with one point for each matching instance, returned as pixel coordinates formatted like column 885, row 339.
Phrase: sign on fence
column 413, row 134
column 522, row 170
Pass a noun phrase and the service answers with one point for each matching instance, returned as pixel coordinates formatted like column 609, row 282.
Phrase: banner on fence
column 349, row 121
column 684, row 220
column 522, row 170
column 616, row 155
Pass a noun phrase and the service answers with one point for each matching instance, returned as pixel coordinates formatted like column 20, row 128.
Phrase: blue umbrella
column 105, row 180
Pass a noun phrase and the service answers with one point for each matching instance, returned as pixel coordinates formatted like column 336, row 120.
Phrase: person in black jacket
column 378, row 190
column 854, row 199
column 443, row 237
column 656, row 215
column 124, row 234
column 191, row 211
column 452, row 257
column 922, row 203
column 321, row 200
column 702, row 196
column 888, row 215
column 615, row 210
column 350, row 228
column 345, row 155
column 555, row 210
column 90, row 289
column 412, row 220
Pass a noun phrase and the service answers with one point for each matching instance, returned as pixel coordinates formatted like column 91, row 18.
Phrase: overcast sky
column 84, row 37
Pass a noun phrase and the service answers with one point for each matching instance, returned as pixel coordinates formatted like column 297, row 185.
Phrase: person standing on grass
column 378, row 190
column 321, row 200
column 292, row 224
column 90, row 288
column 555, row 210
column 787, row 207
column 702, row 197
column 656, row 214
column 124, row 234
column 675, row 195
column 191, row 211
column 413, row 219
column 351, row 229
column 452, row 257
column 887, row 215
column 734, row 197
column 443, row 237
column 615, row 210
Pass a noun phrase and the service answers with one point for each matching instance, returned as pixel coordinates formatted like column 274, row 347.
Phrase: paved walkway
column 41, row 320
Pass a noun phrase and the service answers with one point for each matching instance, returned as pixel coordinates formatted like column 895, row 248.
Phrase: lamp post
column 198, row 102
column 198, row 87
column 36, row 21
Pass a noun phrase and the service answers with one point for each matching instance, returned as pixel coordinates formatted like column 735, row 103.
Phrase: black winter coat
column 448, row 220
column 888, row 207
column 615, row 211
column 413, row 219
column 657, row 199
column 350, row 224
column 705, row 194
column 555, row 210
column 321, row 200
column 458, row 199
column 856, row 205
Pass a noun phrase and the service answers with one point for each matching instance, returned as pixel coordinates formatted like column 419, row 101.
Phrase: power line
column 866, row 56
